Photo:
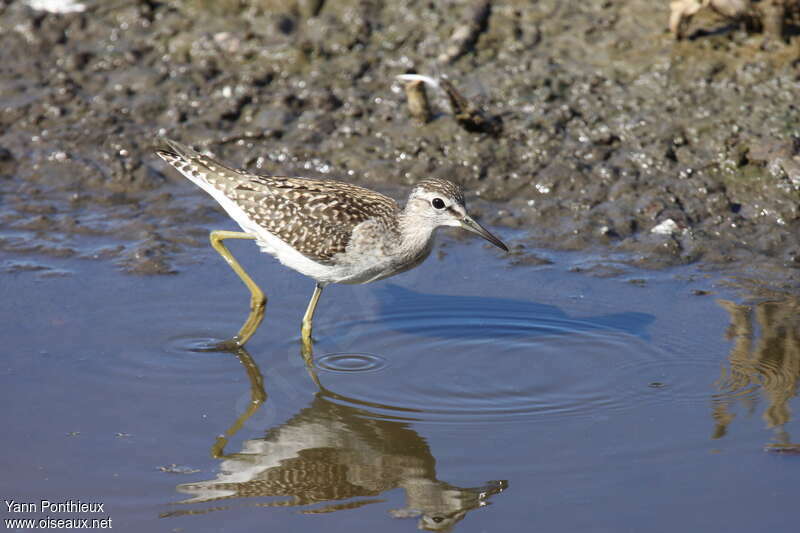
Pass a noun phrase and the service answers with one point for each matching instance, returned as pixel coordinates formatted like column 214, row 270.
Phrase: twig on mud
column 770, row 17
column 246, row 136
column 418, row 105
column 464, row 37
column 468, row 114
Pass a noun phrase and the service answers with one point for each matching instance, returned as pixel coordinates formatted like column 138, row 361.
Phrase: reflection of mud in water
column 338, row 456
column 765, row 359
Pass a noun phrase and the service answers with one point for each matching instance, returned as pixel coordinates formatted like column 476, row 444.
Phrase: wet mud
column 610, row 135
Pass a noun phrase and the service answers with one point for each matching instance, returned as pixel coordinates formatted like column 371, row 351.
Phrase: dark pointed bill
column 469, row 224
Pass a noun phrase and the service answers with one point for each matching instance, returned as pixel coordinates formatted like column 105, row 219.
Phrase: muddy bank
column 614, row 137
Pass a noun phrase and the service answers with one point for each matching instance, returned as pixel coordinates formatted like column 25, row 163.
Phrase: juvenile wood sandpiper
column 331, row 231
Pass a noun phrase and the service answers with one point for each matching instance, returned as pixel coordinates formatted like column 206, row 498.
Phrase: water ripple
column 351, row 362
column 502, row 360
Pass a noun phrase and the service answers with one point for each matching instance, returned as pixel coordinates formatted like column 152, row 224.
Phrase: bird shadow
column 484, row 317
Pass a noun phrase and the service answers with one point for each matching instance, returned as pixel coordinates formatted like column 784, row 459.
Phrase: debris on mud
column 613, row 137
column 772, row 17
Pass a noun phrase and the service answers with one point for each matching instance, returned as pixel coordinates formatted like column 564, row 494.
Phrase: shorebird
column 328, row 230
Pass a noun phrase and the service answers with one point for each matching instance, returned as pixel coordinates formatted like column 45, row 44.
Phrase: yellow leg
column 307, row 349
column 309, row 316
column 258, row 301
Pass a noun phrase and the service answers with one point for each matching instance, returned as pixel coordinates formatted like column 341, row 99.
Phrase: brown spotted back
column 316, row 217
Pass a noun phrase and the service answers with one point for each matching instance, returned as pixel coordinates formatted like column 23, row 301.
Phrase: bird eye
column 437, row 203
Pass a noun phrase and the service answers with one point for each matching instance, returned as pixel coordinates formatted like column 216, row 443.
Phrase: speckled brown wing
column 316, row 217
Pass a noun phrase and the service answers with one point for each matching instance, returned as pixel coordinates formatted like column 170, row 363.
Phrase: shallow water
column 465, row 394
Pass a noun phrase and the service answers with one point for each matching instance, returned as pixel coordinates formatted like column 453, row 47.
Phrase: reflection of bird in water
column 765, row 356
column 330, row 452
column 331, row 231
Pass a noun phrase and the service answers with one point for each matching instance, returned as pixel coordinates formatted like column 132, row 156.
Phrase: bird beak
column 470, row 225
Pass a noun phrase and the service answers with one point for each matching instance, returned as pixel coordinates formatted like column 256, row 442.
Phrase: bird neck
column 416, row 233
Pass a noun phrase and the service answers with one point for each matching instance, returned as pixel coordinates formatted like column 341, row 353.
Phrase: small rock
column 667, row 227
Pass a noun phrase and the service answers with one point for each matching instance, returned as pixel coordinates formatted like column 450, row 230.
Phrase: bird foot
column 229, row 345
